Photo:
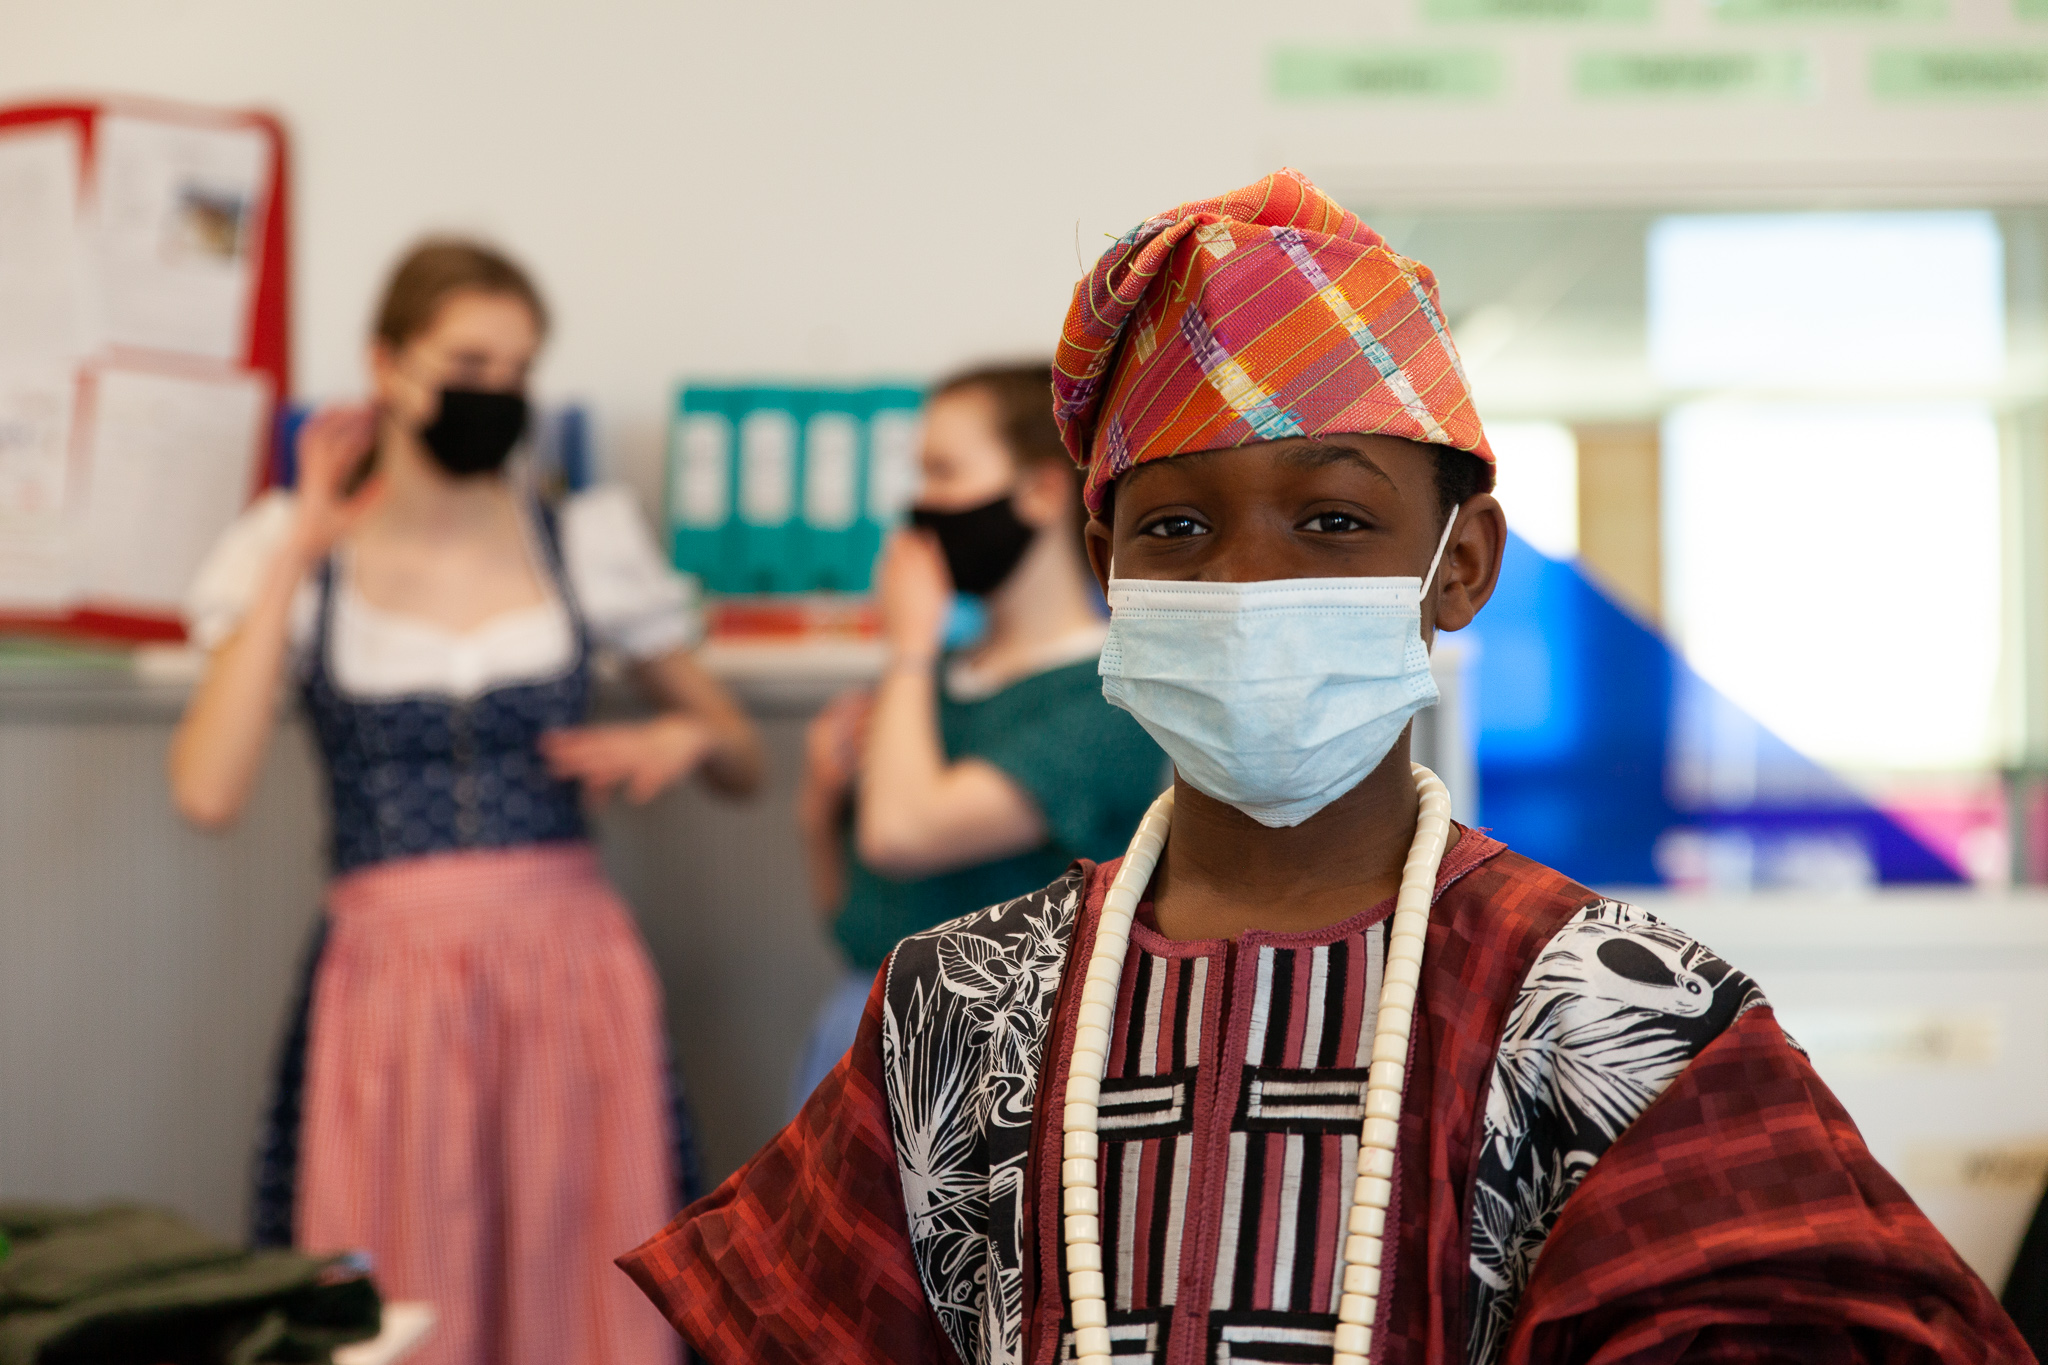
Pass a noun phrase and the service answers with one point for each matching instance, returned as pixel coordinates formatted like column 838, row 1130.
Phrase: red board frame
column 269, row 348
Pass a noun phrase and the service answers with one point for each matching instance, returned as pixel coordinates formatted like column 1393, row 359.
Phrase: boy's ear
column 1096, row 537
column 1473, row 559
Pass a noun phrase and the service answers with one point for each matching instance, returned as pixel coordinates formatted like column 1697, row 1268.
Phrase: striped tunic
column 1230, row 1116
column 911, row 1213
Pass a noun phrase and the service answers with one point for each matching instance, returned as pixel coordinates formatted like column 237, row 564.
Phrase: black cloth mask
column 983, row 545
column 476, row 430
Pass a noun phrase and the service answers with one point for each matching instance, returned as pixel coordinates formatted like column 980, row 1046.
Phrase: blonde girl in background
column 486, row 1110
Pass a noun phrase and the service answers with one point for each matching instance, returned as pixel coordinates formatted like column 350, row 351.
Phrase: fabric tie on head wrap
column 1263, row 313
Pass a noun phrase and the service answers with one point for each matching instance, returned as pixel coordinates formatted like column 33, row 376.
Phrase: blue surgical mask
column 1276, row 697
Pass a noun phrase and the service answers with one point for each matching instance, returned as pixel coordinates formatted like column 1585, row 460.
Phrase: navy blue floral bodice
column 414, row 775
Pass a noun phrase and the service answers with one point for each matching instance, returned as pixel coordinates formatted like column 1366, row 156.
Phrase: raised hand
column 913, row 590
column 332, row 446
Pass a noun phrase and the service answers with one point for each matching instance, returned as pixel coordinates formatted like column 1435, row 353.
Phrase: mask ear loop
column 1437, row 562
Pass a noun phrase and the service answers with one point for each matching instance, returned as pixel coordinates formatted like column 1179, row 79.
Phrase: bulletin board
column 144, row 351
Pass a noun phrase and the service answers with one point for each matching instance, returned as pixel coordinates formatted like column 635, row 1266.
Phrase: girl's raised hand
column 913, row 590
column 332, row 446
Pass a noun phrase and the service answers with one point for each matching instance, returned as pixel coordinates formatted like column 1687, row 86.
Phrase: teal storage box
column 779, row 489
column 835, row 460
column 702, row 473
column 893, row 426
column 770, row 540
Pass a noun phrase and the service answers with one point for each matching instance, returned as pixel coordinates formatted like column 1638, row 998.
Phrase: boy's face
column 1337, row 506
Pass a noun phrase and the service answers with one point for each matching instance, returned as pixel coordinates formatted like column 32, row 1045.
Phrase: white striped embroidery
column 1176, row 1213
column 1262, row 1006
column 1132, row 1343
column 1128, row 1232
column 1184, row 1146
column 1312, row 1025
column 1290, row 1223
column 1155, row 998
column 1317, row 1099
column 1151, row 1106
column 1245, row 1343
column 1375, row 973
column 1233, row 1206
column 1348, row 1162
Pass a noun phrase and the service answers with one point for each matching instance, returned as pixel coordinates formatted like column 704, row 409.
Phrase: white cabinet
column 1927, row 1014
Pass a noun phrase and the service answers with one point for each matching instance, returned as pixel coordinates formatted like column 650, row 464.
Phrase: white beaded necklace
column 1375, row 1188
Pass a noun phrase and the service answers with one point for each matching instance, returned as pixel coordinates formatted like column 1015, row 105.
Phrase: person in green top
column 965, row 779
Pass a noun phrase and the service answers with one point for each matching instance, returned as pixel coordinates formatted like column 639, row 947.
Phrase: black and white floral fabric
column 1613, row 1009
column 966, row 1012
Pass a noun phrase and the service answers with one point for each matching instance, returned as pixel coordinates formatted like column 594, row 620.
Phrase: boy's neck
column 1224, row 873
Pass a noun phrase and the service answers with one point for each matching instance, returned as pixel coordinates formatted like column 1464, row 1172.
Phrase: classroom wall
column 889, row 188
column 146, row 969
column 828, row 190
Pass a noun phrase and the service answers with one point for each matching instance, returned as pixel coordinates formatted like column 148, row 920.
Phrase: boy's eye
column 1331, row 523
column 1174, row 527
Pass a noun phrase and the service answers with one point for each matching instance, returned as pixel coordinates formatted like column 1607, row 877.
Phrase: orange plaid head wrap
column 1263, row 313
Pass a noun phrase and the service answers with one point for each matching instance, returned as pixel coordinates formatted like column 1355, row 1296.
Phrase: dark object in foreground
column 121, row 1284
column 2026, row 1288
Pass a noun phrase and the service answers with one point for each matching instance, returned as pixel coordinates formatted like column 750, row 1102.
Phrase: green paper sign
column 1773, row 11
column 1686, row 75
column 1959, row 73
column 1353, row 73
column 1541, row 11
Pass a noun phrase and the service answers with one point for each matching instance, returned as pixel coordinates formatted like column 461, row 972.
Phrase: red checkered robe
column 1735, row 1214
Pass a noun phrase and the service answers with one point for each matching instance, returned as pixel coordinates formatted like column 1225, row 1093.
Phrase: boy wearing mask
column 1312, row 1073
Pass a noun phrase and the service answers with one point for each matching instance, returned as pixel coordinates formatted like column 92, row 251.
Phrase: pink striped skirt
column 486, row 1103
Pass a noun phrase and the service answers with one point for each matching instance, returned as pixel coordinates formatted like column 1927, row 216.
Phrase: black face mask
column 476, row 430
column 983, row 544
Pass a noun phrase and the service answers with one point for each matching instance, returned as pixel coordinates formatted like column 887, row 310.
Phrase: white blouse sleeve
column 632, row 599
column 228, row 577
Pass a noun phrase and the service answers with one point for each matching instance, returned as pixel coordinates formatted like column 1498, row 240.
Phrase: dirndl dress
column 476, row 1088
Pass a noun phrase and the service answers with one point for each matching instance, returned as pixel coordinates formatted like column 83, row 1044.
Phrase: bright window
column 1857, row 302
column 1537, row 482
column 1835, row 570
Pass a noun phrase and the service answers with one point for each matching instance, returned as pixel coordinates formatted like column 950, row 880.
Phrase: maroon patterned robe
column 1609, row 1153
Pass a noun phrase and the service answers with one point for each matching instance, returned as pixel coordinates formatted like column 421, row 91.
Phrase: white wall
column 890, row 188
column 815, row 189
